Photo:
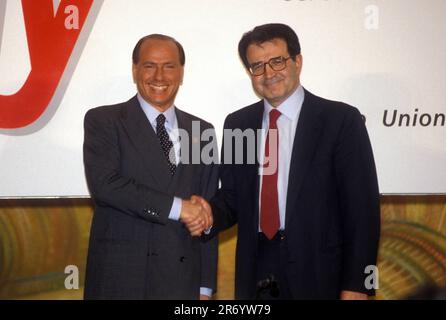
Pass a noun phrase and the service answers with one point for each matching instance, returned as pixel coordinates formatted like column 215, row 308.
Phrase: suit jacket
column 332, row 208
column 135, row 251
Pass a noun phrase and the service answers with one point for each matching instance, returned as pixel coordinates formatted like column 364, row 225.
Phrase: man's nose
column 269, row 72
column 159, row 74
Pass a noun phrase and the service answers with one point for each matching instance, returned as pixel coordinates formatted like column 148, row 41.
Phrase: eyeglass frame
column 269, row 63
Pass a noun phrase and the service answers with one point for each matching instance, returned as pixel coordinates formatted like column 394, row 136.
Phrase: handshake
column 196, row 214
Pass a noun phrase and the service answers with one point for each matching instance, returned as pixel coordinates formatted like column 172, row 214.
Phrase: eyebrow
column 261, row 62
column 162, row 63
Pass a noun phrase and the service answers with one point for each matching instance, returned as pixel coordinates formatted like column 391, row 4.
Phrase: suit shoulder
column 105, row 112
column 331, row 110
column 109, row 113
column 245, row 113
column 332, row 105
column 191, row 117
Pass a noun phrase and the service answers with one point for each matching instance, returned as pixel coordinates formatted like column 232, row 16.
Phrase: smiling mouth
column 158, row 88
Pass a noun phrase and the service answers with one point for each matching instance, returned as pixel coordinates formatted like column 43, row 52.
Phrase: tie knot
column 160, row 120
column 274, row 115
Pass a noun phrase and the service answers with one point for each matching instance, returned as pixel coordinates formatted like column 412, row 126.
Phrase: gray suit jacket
column 135, row 251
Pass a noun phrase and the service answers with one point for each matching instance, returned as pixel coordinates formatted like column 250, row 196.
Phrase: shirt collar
column 152, row 113
column 290, row 108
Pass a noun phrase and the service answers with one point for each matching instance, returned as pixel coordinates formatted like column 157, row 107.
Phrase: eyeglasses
column 276, row 63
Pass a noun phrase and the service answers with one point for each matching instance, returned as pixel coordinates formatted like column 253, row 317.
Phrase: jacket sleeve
column 209, row 249
column 108, row 187
column 224, row 202
column 357, row 185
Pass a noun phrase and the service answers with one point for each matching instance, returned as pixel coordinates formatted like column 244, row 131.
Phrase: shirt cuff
column 175, row 211
column 206, row 291
column 208, row 230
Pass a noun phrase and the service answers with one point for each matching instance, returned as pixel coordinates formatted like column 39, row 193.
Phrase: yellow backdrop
column 39, row 238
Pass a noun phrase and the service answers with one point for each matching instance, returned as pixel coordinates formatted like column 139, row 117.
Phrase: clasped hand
column 196, row 214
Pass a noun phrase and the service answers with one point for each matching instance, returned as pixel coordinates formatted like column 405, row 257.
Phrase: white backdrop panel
column 376, row 55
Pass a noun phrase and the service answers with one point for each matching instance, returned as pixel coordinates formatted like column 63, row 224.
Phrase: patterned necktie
column 269, row 205
column 166, row 143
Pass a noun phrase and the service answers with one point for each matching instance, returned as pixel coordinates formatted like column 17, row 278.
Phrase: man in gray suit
column 144, row 241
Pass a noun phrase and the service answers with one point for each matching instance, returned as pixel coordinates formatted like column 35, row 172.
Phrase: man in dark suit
column 144, row 240
column 308, row 217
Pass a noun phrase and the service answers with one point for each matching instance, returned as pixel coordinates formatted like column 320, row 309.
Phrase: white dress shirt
column 286, row 126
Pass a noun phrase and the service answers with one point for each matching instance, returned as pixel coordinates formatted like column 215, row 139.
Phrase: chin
column 275, row 98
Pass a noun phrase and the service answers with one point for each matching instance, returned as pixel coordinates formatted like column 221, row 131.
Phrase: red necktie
column 269, row 205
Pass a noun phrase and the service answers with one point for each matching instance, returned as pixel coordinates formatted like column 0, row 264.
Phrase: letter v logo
column 52, row 36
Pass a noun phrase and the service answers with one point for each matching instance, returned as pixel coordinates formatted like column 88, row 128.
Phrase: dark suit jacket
column 135, row 251
column 332, row 210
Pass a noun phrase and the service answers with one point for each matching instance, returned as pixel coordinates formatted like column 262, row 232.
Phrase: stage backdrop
column 60, row 58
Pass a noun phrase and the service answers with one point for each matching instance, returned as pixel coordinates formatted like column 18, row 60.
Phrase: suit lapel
column 305, row 142
column 256, row 124
column 146, row 142
column 186, row 150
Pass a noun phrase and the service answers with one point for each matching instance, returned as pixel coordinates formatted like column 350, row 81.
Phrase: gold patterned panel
column 413, row 245
column 226, row 264
column 38, row 239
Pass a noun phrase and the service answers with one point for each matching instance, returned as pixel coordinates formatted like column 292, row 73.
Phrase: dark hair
column 135, row 55
column 268, row 32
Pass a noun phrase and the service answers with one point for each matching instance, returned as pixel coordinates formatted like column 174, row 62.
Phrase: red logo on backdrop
column 51, row 40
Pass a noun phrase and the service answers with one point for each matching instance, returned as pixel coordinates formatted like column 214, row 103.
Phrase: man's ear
column 134, row 70
column 182, row 75
column 298, row 62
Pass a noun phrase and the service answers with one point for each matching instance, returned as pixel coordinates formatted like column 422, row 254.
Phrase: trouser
column 271, row 279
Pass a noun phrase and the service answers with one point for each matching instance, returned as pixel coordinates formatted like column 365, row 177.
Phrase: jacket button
column 182, row 259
